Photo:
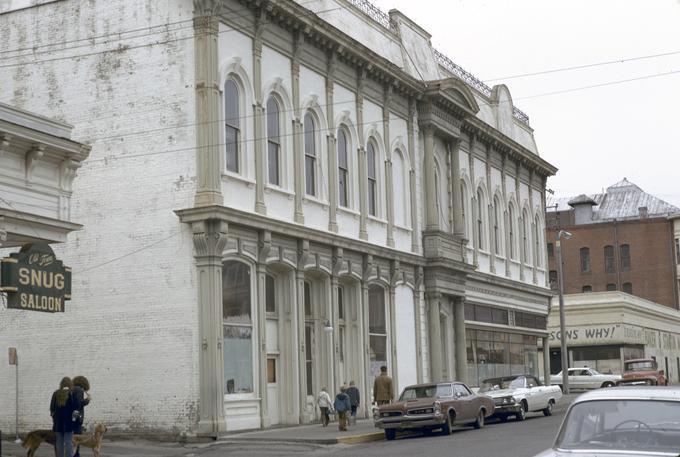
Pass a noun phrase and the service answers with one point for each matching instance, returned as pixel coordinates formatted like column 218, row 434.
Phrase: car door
column 465, row 404
column 576, row 379
column 535, row 395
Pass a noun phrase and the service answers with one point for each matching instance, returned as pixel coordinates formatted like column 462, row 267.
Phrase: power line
column 579, row 67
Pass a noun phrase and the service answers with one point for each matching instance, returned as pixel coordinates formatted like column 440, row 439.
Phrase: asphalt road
column 511, row 439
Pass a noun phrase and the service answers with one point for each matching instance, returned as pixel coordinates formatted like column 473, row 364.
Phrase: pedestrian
column 81, row 397
column 383, row 389
column 342, row 405
column 62, row 407
column 324, row 401
column 354, row 400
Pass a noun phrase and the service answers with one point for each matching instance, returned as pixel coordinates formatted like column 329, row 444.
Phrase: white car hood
column 502, row 393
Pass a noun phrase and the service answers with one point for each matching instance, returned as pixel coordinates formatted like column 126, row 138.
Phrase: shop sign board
column 35, row 280
column 616, row 334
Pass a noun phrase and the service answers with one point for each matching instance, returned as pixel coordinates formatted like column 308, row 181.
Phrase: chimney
column 644, row 214
column 583, row 209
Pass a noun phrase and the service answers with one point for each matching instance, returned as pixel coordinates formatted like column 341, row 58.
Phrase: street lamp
column 563, row 337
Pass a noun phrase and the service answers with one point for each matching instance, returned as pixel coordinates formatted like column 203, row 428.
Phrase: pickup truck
column 517, row 395
column 642, row 372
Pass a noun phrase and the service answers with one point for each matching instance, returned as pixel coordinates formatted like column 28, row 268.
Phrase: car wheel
column 479, row 423
column 390, row 434
column 522, row 413
column 549, row 409
column 608, row 384
column 447, row 428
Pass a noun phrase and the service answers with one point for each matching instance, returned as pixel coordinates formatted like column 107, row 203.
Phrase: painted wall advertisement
column 616, row 334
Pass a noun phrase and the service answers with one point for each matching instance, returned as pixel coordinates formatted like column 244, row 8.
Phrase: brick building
column 623, row 240
column 278, row 198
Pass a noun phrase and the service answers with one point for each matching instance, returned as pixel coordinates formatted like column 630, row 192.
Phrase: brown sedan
column 433, row 406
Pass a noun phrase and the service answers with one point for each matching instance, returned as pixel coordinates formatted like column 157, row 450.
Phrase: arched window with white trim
column 273, row 141
column 400, row 189
column 481, row 238
column 310, row 154
column 343, row 170
column 232, row 125
column 372, row 175
column 526, row 233
column 497, row 226
column 237, row 327
column 512, row 231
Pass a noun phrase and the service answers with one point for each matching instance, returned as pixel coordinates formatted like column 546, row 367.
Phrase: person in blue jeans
column 62, row 407
column 342, row 405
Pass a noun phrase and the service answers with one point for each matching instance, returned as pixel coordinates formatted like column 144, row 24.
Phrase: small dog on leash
column 35, row 438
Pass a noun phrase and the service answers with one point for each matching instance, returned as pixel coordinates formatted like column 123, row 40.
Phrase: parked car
column 519, row 394
column 642, row 372
column 623, row 421
column 586, row 378
column 433, row 406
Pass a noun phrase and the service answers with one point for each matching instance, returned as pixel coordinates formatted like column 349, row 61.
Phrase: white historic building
column 280, row 196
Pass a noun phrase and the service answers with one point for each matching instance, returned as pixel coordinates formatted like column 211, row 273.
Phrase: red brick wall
column 651, row 258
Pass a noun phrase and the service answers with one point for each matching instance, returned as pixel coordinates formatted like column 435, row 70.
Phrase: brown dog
column 93, row 441
column 35, row 438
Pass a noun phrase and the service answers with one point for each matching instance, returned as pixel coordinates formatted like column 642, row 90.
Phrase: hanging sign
column 35, row 280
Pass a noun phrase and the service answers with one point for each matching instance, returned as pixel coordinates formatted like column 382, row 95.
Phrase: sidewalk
column 362, row 432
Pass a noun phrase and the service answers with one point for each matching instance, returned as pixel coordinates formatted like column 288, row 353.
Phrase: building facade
column 603, row 329
column 281, row 197
column 623, row 239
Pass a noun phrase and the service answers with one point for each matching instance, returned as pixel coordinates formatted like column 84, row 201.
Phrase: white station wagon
column 586, row 378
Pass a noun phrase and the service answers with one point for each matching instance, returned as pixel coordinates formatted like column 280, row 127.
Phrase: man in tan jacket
column 383, row 390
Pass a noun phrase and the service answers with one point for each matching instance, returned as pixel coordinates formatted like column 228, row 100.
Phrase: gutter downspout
column 617, row 257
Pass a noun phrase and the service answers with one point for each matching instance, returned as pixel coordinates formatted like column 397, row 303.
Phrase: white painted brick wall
column 131, row 326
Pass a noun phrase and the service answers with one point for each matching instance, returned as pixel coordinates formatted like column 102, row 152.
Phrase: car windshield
column 631, row 425
column 640, row 366
column 514, row 382
column 416, row 392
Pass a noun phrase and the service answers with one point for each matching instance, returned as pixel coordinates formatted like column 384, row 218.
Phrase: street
column 511, row 439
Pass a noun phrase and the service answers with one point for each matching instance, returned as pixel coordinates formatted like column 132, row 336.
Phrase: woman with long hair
column 62, row 407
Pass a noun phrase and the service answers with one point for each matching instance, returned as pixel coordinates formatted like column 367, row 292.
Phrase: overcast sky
column 596, row 136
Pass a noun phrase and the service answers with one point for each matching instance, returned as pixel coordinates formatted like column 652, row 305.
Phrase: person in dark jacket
column 81, row 396
column 62, row 407
column 342, row 405
column 354, row 400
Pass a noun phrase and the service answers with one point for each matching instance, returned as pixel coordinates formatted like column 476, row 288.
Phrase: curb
column 366, row 438
column 351, row 439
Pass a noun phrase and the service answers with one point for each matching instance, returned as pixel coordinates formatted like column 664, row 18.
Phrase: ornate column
column 432, row 215
column 544, row 205
column 209, row 163
column 491, row 215
column 332, row 150
column 520, row 220
column 389, row 186
column 363, row 172
column 532, row 223
column 394, row 277
column 259, row 134
column 335, row 318
column 417, row 293
column 366, row 274
column 461, row 341
column 298, row 146
column 449, row 188
column 411, row 123
column 458, row 223
column 264, row 245
column 210, row 237
column 546, row 360
column 435, row 335
column 506, row 217
column 302, row 254
column 473, row 200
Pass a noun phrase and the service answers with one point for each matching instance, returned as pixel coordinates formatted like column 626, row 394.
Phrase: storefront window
column 237, row 327
column 494, row 354
column 377, row 328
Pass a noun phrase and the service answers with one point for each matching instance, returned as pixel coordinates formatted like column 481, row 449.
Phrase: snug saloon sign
column 35, row 280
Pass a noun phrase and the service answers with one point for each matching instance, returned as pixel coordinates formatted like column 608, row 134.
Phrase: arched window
column 511, row 230
column 480, row 219
column 400, row 189
column 372, row 178
column 526, row 230
column 609, row 264
column 343, row 170
column 273, row 141
column 270, row 293
column 310, row 155
column 627, row 287
column 232, row 125
column 463, row 208
column 611, row 287
column 377, row 327
column 625, row 257
column 237, row 327
column 587, row 289
column 537, row 241
column 496, row 226
column 585, row 259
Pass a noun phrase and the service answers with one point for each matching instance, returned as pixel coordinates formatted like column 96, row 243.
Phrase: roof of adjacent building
column 621, row 201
